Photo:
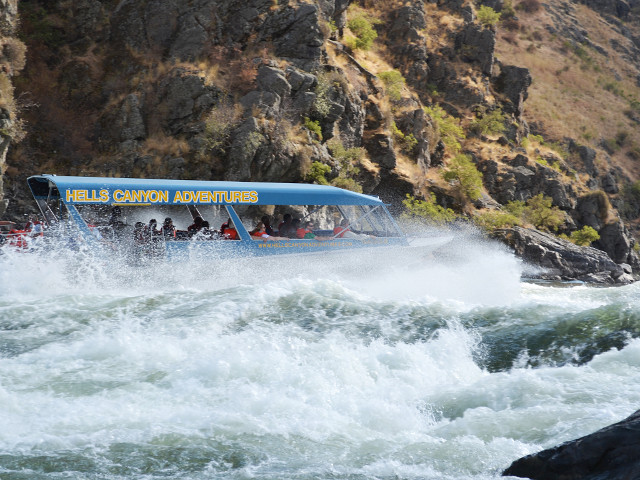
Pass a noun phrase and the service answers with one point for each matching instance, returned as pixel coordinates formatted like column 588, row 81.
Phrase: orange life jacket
column 230, row 233
column 339, row 231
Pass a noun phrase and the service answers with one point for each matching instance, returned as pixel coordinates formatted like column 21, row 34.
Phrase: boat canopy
column 133, row 191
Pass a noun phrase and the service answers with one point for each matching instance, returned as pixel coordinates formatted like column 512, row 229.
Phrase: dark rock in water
column 563, row 259
column 609, row 453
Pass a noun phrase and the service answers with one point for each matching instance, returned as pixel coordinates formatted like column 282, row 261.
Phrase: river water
column 390, row 366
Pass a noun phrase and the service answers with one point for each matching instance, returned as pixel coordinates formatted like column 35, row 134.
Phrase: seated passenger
column 266, row 221
column 292, row 231
column 228, row 232
column 205, row 233
column 260, row 233
column 139, row 236
column 168, row 229
column 344, row 231
column 195, row 226
column 286, row 228
column 152, row 229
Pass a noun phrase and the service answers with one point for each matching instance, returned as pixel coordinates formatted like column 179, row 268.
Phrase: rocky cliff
column 382, row 97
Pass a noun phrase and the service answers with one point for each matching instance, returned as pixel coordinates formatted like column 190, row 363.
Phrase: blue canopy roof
column 138, row 191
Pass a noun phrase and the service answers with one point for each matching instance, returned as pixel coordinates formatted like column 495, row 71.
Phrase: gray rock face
column 380, row 148
column 609, row 453
column 513, row 83
column 477, row 44
column 562, row 260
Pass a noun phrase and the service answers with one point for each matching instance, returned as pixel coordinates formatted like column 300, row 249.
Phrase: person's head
column 168, row 221
column 153, row 222
column 286, row 218
column 265, row 220
column 344, row 222
column 309, row 225
column 139, row 225
column 260, row 226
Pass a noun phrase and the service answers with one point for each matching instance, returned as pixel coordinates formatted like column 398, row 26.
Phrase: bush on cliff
column 487, row 16
column 583, row 237
column 427, row 211
column 463, row 170
column 493, row 219
column 407, row 142
column 393, row 84
column 318, row 173
column 361, row 25
column 447, row 127
column 541, row 214
column 488, row 123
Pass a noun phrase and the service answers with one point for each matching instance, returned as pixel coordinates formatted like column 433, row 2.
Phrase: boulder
column 513, row 82
column 476, row 43
column 296, row 35
column 270, row 79
column 562, row 259
column 380, row 149
column 610, row 453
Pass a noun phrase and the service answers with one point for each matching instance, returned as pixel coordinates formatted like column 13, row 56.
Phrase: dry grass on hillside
column 576, row 91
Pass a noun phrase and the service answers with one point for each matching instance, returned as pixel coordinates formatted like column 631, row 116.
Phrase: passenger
column 267, row 225
column 228, row 232
column 139, row 237
column 34, row 227
column 306, row 231
column 205, row 232
column 195, row 226
column 168, row 229
column 284, row 227
column 260, row 233
column 292, row 231
column 344, row 231
column 152, row 231
column 341, row 228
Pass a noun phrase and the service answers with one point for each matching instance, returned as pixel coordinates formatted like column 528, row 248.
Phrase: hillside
column 442, row 101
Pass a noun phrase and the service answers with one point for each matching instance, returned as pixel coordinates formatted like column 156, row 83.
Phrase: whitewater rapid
column 443, row 366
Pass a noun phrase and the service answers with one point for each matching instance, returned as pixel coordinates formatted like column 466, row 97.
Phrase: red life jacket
column 339, row 231
column 302, row 233
column 230, row 233
column 17, row 238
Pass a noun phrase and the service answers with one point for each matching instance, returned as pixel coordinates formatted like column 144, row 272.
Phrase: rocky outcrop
column 609, row 453
column 476, row 43
column 11, row 62
column 562, row 260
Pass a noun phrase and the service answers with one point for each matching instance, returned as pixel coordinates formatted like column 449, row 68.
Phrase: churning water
column 396, row 366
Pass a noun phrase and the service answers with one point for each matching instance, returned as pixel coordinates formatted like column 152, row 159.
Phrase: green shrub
column 407, row 143
column 362, row 27
column 542, row 215
column 347, row 184
column 322, row 102
column 515, row 208
column 462, row 169
column 346, row 158
column 313, row 127
column 584, row 236
column 427, row 211
column 493, row 219
column 318, row 173
column 489, row 123
column 393, row 84
column 447, row 127
column 487, row 16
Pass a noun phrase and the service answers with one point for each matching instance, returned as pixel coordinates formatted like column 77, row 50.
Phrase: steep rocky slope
column 302, row 91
